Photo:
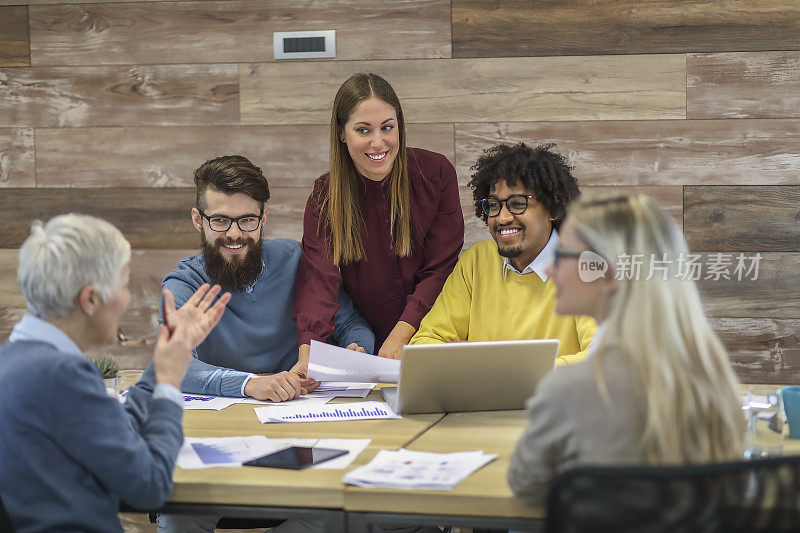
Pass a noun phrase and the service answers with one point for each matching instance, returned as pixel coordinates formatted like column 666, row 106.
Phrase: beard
column 237, row 274
column 510, row 252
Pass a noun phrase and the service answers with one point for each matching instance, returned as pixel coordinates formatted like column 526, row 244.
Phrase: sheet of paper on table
column 305, row 400
column 324, row 413
column 218, row 403
column 204, row 401
column 211, row 452
column 407, row 469
column 341, row 389
column 331, row 363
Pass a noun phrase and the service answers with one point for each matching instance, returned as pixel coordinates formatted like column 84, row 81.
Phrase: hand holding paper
column 331, row 363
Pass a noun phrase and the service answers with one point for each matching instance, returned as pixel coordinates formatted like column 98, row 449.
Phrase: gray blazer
column 569, row 423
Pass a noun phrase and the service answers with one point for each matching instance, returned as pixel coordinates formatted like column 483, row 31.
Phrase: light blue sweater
column 257, row 333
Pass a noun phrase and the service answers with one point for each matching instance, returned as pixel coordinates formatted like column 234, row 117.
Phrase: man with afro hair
column 500, row 290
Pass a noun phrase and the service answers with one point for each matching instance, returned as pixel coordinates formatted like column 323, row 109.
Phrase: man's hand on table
column 279, row 387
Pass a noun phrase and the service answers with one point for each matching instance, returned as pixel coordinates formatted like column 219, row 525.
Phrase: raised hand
column 197, row 317
column 183, row 330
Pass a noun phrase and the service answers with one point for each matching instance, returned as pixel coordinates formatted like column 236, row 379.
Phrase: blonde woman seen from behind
column 657, row 387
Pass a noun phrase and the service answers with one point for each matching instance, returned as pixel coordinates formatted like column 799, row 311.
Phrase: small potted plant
column 108, row 368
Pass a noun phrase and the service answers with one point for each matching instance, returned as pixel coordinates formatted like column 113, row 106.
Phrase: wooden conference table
column 482, row 500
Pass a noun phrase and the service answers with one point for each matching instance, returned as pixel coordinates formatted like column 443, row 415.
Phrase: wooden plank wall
column 107, row 108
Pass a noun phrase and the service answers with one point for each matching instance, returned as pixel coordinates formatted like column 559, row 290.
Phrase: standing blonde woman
column 657, row 387
column 385, row 222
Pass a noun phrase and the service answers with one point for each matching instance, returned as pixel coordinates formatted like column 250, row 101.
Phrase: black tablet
column 296, row 457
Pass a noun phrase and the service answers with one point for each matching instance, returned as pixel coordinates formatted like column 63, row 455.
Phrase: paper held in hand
column 331, row 363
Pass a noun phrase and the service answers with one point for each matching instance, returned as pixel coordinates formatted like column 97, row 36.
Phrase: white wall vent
column 304, row 44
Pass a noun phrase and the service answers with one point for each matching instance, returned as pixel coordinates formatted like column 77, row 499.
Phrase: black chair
column 760, row 496
column 5, row 521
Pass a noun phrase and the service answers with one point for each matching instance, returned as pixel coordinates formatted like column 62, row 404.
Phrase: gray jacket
column 570, row 423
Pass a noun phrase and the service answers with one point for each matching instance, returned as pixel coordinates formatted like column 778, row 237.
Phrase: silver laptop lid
column 472, row 376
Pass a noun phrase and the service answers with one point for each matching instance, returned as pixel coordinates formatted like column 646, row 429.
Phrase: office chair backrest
column 5, row 521
column 748, row 496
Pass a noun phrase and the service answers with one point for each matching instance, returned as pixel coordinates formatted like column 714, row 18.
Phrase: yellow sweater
column 478, row 304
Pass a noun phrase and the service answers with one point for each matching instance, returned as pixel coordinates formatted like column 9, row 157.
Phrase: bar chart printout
column 325, row 413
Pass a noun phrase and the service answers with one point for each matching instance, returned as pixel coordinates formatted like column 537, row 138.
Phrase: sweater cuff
column 305, row 337
column 233, row 384
column 244, row 383
column 412, row 316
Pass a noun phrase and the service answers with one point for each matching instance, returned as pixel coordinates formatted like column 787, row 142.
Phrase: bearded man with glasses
column 258, row 335
column 499, row 290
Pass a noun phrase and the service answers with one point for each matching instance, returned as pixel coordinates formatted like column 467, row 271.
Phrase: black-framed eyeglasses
column 561, row 253
column 516, row 204
column 220, row 223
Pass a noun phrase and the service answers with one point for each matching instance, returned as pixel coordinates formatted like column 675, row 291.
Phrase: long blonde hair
column 340, row 213
column 692, row 406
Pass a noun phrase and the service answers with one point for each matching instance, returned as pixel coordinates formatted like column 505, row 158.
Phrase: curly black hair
column 548, row 174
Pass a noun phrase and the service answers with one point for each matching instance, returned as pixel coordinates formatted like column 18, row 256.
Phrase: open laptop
column 470, row 376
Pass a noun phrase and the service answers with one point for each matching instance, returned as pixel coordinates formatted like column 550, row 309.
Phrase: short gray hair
column 61, row 257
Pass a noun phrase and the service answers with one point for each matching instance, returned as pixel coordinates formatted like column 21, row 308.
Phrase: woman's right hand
column 183, row 330
column 301, row 369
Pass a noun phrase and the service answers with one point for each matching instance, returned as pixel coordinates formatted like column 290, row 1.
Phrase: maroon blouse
column 384, row 287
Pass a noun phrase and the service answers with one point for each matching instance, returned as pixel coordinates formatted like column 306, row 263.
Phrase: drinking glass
column 763, row 410
column 127, row 379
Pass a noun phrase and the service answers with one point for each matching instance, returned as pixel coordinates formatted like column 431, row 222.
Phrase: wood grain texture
column 8, row 317
column 658, row 152
column 14, row 42
column 118, row 96
column 486, row 28
column 737, row 85
column 10, row 295
column 774, row 293
column 233, row 31
column 290, row 156
column 149, row 218
column 745, row 218
column 762, row 350
column 17, row 167
column 477, row 90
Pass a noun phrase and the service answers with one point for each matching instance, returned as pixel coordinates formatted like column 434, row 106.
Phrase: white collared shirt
column 32, row 328
column 540, row 262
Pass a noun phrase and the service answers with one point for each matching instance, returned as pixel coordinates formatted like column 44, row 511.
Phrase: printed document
column 218, row 403
column 341, row 389
column 209, row 452
column 331, row 363
column 406, row 469
column 202, row 401
column 324, row 413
